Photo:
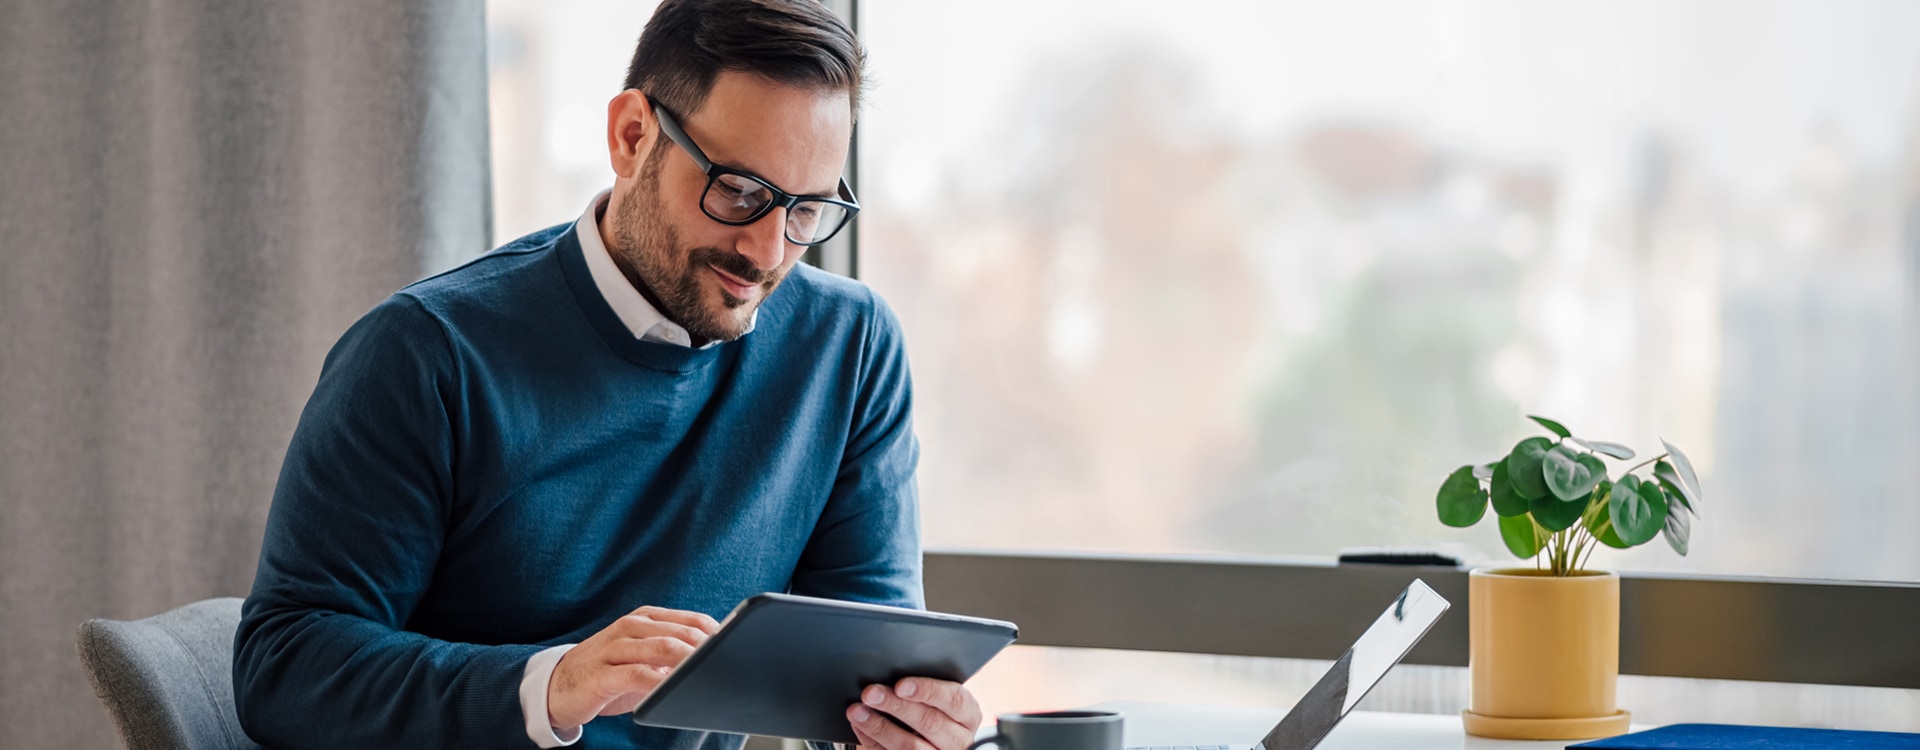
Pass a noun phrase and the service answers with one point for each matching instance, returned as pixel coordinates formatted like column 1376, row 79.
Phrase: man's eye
column 735, row 187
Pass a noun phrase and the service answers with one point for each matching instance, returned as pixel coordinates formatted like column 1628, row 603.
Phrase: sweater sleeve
column 866, row 545
column 321, row 657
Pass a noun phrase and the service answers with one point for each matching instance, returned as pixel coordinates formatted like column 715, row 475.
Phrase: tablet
column 789, row 666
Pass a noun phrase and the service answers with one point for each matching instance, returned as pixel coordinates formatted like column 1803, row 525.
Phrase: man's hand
column 925, row 714
column 611, row 672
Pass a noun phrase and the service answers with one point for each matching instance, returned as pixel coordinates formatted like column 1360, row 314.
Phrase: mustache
column 733, row 263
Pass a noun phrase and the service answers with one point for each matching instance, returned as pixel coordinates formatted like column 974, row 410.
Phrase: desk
column 1165, row 724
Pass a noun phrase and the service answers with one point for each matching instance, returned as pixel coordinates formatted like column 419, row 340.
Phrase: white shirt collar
column 640, row 316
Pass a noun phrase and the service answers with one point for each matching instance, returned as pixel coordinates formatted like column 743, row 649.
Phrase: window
column 1253, row 277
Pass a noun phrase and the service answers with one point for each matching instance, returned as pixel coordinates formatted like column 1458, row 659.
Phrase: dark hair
column 688, row 43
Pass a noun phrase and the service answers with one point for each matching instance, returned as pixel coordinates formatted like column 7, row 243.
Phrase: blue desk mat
column 1731, row 737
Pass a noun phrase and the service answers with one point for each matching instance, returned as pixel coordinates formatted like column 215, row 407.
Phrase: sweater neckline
column 653, row 355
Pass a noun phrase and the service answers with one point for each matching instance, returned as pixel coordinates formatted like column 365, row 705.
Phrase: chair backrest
column 167, row 680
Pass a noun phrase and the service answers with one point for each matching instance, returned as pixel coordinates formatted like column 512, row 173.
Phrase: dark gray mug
column 1056, row 730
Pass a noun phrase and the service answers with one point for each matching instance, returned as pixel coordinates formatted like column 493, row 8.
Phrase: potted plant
column 1545, row 641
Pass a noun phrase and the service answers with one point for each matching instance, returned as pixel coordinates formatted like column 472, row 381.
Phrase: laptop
column 1405, row 621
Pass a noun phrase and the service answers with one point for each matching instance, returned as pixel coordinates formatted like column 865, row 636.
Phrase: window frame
column 841, row 254
column 1809, row 631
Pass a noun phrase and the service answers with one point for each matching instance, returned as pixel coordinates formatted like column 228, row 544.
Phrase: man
column 508, row 458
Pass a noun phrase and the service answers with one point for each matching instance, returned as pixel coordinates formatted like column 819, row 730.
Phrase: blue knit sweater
column 492, row 464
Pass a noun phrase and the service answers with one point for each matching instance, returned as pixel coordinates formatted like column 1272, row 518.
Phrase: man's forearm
column 329, row 680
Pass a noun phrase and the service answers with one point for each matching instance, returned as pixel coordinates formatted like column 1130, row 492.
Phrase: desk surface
column 1165, row 724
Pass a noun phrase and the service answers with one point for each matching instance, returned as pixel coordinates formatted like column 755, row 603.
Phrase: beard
column 676, row 277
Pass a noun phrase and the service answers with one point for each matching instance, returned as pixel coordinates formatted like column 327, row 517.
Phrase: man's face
column 707, row 276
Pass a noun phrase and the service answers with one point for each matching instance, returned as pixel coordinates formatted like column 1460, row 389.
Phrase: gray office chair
column 167, row 680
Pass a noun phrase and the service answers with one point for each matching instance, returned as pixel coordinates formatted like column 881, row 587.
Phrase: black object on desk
column 1397, row 557
column 1734, row 737
column 789, row 666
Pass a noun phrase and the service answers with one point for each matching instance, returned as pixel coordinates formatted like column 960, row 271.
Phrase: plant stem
column 1538, row 543
column 1636, row 467
column 1585, row 548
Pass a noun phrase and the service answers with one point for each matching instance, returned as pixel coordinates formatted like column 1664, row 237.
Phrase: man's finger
column 638, row 626
column 951, row 698
column 885, row 732
column 657, row 651
column 696, row 620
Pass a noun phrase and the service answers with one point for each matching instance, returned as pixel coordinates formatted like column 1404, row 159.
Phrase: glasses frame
column 781, row 198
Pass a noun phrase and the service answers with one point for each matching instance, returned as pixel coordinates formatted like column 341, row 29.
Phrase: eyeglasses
column 736, row 198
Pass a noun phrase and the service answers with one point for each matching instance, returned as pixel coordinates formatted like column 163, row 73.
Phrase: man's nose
column 765, row 241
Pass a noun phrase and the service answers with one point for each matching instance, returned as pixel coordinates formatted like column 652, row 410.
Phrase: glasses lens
column 731, row 197
column 814, row 221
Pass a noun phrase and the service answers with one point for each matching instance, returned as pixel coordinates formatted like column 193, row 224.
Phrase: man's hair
column 799, row 43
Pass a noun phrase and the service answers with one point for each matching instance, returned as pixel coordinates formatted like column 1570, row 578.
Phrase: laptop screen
column 1385, row 643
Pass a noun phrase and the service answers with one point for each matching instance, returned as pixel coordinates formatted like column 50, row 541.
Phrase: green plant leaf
column 1518, row 533
column 1673, row 494
column 1688, row 480
column 1615, row 450
column 1602, row 525
column 1523, row 467
column 1676, row 498
column 1637, row 509
column 1568, row 476
column 1505, row 502
column 1461, row 501
column 1670, row 479
column 1595, row 467
column 1551, row 425
column 1678, row 527
column 1484, row 472
column 1555, row 515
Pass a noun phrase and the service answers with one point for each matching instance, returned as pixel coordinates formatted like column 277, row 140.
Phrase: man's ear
column 631, row 129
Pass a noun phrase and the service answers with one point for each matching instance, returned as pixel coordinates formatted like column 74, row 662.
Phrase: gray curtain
column 196, row 199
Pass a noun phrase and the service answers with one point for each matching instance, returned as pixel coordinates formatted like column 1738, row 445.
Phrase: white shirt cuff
column 533, row 698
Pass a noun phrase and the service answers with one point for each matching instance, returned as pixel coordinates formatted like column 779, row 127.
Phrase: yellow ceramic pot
column 1545, row 655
